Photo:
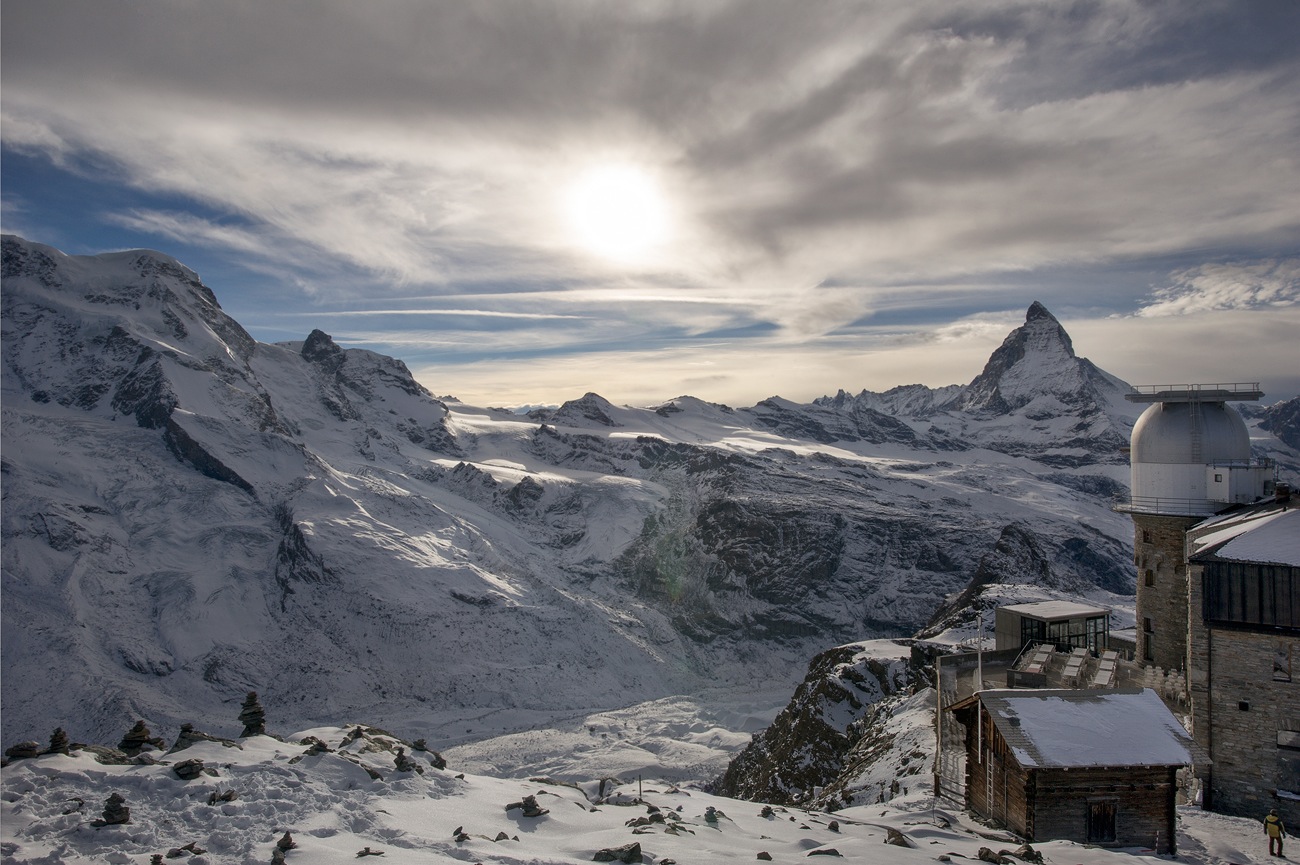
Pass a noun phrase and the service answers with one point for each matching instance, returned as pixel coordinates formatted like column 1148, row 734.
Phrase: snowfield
column 339, row 803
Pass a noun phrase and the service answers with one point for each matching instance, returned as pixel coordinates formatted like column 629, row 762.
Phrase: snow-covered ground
column 334, row 809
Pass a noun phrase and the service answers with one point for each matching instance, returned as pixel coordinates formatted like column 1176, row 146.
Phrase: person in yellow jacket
column 1276, row 832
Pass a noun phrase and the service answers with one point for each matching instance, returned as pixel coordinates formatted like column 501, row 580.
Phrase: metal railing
column 1173, row 506
column 1215, row 387
column 1236, row 391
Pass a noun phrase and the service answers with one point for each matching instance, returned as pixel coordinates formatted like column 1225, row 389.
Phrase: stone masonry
column 1159, row 554
column 1238, row 710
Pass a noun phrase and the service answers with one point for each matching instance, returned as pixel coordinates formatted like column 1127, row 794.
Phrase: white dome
column 1167, row 433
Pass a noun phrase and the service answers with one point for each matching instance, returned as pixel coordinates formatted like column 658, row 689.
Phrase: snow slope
column 351, row 798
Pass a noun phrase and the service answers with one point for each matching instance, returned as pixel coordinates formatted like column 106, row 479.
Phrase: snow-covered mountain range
column 190, row 514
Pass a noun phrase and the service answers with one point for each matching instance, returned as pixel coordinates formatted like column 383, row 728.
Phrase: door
column 1101, row 822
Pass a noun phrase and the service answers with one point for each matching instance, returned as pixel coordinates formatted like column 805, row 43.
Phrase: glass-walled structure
column 1063, row 624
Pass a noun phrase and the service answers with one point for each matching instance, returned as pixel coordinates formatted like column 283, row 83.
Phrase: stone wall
column 1158, row 547
column 1238, row 710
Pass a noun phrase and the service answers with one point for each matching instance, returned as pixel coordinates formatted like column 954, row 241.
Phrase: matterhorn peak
column 1035, row 359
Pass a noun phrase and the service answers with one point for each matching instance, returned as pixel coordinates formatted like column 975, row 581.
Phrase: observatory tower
column 1189, row 458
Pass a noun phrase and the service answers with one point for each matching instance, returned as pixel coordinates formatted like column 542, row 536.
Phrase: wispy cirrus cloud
column 1229, row 286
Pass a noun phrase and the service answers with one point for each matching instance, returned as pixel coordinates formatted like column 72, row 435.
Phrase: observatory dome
column 1183, row 433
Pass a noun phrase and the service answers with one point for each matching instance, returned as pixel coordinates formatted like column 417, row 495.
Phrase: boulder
column 187, row 770
column 23, row 750
column 626, row 853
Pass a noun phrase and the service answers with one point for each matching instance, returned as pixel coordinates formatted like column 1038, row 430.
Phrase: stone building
column 1189, row 458
column 1244, row 657
column 1217, row 547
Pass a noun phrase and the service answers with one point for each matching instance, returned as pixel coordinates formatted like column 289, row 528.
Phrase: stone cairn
column 529, row 806
column 58, row 742
column 405, row 763
column 436, row 759
column 252, row 716
column 115, row 812
column 188, row 736
column 137, row 738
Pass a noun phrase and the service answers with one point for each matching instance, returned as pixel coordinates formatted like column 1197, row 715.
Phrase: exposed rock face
column 1282, row 419
column 1013, row 376
column 806, row 745
column 591, row 407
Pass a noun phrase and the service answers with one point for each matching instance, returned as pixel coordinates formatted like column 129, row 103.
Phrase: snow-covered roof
column 1270, row 534
column 1079, row 729
column 1056, row 610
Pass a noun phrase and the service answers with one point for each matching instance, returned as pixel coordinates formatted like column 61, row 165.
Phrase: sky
column 732, row 200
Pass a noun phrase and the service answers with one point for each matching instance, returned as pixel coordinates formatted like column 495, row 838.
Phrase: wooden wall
column 1053, row 804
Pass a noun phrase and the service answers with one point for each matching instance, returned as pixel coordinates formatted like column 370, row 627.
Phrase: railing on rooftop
column 1203, row 392
column 1168, row 505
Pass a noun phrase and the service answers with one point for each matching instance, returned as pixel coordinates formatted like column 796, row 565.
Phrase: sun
column 617, row 212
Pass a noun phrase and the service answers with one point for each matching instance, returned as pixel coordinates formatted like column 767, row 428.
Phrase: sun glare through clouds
column 617, row 212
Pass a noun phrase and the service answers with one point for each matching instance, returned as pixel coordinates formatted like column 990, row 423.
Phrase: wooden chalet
column 1093, row 766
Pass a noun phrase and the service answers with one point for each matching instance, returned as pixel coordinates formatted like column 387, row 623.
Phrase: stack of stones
column 188, row 736
column 58, row 742
column 437, row 759
column 529, row 806
column 252, row 716
column 115, row 812
column 137, row 738
column 405, row 763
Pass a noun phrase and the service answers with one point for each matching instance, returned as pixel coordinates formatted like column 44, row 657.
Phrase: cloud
column 817, row 156
column 1214, row 287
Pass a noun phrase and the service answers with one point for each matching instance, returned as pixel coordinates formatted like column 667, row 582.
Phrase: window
column 1101, row 821
column 1241, row 593
column 1032, row 631
column 1218, row 478
column 1150, row 577
column 1288, row 759
column 1283, row 658
column 1146, row 625
column 1146, row 536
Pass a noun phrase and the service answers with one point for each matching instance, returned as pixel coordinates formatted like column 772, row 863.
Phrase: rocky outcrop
column 590, row 407
column 805, row 747
column 1282, row 419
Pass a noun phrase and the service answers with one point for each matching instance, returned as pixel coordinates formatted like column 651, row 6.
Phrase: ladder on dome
column 1194, row 418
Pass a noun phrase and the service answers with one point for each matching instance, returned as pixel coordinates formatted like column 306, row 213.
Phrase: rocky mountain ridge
column 190, row 514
